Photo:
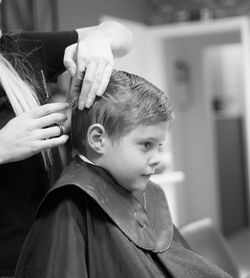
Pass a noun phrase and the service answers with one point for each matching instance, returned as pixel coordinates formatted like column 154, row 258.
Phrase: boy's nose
column 155, row 160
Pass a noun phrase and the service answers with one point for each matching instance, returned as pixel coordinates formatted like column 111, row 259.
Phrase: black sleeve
column 55, row 245
column 46, row 49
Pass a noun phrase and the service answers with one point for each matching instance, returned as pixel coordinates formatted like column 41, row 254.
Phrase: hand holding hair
column 31, row 132
column 96, row 60
column 94, row 54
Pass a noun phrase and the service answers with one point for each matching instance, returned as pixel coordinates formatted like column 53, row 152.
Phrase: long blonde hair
column 21, row 93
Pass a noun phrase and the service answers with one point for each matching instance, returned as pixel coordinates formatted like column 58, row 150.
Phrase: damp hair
column 18, row 81
column 128, row 102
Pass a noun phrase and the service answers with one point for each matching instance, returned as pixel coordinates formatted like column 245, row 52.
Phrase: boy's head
column 123, row 129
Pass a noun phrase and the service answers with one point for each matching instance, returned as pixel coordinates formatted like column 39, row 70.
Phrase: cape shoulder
column 144, row 218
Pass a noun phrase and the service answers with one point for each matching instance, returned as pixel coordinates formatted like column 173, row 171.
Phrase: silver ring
column 62, row 129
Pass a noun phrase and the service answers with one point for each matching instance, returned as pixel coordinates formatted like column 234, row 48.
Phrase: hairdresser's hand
column 31, row 132
column 94, row 56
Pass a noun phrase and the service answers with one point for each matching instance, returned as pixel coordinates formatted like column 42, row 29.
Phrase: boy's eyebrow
column 147, row 138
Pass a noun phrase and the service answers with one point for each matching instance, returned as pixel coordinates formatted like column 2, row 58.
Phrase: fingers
column 47, row 115
column 94, row 56
column 95, row 82
column 96, row 78
column 23, row 137
column 61, row 128
column 51, row 137
column 50, row 120
column 105, row 80
column 69, row 59
column 50, row 132
column 53, row 142
column 87, row 84
column 48, row 109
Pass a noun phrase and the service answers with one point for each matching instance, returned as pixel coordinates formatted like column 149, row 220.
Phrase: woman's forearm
column 119, row 36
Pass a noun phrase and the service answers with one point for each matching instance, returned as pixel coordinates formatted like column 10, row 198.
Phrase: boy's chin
column 137, row 187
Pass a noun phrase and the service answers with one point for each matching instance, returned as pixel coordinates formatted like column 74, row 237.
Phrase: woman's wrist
column 83, row 32
column 119, row 37
column 100, row 37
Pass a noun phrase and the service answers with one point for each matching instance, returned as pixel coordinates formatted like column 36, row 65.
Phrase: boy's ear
column 96, row 137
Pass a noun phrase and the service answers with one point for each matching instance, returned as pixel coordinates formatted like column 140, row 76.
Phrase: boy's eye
column 147, row 145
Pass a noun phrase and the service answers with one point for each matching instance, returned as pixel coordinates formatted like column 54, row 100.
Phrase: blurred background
column 199, row 53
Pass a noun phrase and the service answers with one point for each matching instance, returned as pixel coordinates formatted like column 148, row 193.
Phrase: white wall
column 225, row 74
column 193, row 135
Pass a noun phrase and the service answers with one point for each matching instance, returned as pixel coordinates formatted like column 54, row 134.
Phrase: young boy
column 104, row 217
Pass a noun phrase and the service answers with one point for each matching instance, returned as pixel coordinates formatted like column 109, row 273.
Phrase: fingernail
column 65, row 137
column 71, row 71
column 65, row 107
column 89, row 103
column 81, row 105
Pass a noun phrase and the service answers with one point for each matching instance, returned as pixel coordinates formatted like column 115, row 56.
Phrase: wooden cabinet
column 232, row 178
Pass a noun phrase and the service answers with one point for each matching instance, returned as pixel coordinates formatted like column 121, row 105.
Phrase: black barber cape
column 89, row 226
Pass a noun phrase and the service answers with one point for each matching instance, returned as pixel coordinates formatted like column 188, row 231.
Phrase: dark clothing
column 89, row 226
column 24, row 183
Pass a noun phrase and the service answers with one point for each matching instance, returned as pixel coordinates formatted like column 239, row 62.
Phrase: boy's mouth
column 147, row 175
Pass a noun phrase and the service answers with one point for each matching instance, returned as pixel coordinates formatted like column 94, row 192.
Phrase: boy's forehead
column 153, row 131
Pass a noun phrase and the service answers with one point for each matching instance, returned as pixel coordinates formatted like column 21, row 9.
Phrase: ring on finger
column 61, row 128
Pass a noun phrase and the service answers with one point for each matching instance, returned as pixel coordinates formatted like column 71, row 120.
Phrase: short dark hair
column 129, row 101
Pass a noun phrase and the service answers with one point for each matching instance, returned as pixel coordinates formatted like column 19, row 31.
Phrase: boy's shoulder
column 78, row 173
column 94, row 180
column 155, row 189
column 87, row 177
column 146, row 221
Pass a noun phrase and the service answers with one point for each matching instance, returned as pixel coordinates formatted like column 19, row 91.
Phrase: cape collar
column 84, row 158
column 143, row 217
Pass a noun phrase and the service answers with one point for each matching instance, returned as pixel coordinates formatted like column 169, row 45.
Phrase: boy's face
column 134, row 157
